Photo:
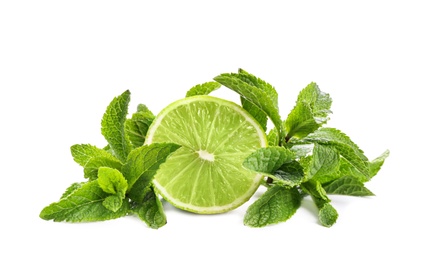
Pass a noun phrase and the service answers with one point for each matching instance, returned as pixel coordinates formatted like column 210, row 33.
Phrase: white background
column 61, row 63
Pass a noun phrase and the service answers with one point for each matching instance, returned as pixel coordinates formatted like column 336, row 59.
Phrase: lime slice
column 206, row 175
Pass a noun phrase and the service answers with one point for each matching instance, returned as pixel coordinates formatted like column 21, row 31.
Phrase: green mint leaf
column 268, row 159
column 112, row 181
column 71, row 189
column 259, row 83
column 347, row 185
column 325, row 163
column 327, row 214
column 114, row 202
column 250, row 107
column 277, row 204
column 203, row 89
column 112, row 126
column 92, row 166
column 83, row 153
column 83, row 205
column 137, row 126
column 377, row 163
column 141, row 166
column 300, row 121
column 346, row 148
column 310, row 112
column 255, row 95
column 150, row 210
column 273, row 138
column 290, row 174
column 255, row 112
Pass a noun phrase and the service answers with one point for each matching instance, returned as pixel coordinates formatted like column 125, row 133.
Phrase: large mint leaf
column 268, row 159
column 310, row 112
column 83, row 205
column 137, row 127
column 343, row 144
column 141, row 166
column 255, row 95
column 203, row 89
column 150, row 210
column 112, row 126
column 347, row 185
column 277, row 204
column 327, row 213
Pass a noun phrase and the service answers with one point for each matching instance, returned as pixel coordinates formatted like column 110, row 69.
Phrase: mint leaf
column 91, row 168
column 346, row 148
column 137, row 126
column 377, row 163
column 150, row 210
column 257, row 96
column 327, row 214
column 325, row 163
column 141, row 166
column 290, row 174
column 259, row 83
column 273, row 138
column 203, row 89
column 83, row 153
column 250, row 107
column 347, row 185
column 113, row 202
column 310, row 112
column 113, row 126
column 268, row 159
column 71, row 189
column 277, row 204
column 112, row 181
column 83, row 205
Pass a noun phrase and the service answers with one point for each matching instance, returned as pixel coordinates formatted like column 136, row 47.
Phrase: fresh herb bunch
column 303, row 158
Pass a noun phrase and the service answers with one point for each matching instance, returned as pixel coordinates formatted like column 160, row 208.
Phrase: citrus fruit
column 206, row 175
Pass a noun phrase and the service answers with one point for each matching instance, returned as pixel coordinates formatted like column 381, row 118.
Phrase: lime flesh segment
column 206, row 174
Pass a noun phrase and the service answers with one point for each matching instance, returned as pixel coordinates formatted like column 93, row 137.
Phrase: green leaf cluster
column 304, row 158
column 119, row 176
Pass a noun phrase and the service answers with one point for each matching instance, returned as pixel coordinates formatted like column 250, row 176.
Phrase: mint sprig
column 304, row 158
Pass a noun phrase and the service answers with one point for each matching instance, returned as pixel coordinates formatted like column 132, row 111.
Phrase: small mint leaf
column 150, row 210
column 113, row 202
column 137, row 126
column 290, row 174
column 83, row 153
column 273, row 138
column 112, row 181
column 112, row 126
column 328, row 215
column 203, row 89
column 91, row 168
column 277, row 204
column 310, row 112
column 325, row 163
column 377, row 163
